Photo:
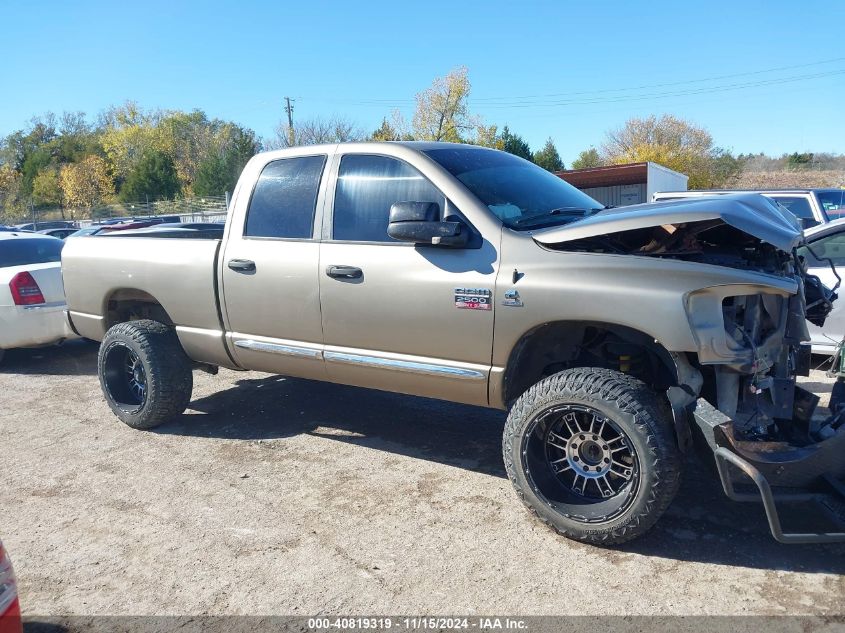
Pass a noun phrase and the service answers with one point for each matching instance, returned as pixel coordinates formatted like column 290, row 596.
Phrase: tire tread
column 171, row 378
column 629, row 395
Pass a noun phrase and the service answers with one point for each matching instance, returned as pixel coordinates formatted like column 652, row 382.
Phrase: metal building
column 621, row 185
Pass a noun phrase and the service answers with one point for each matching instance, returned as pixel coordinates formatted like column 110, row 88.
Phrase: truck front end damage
column 763, row 428
column 771, row 440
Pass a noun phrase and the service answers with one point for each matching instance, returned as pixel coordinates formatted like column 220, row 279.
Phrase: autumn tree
column 442, row 113
column 11, row 202
column 86, row 183
column 128, row 132
column 548, row 157
column 667, row 140
column 191, row 142
column 588, row 158
column 488, row 136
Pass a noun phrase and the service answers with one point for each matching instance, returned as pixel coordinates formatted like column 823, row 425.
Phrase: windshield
column 521, row 194
column 833, row 202
column 30, row 251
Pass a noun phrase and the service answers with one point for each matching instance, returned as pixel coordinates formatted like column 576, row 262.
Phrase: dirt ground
column 283, row 496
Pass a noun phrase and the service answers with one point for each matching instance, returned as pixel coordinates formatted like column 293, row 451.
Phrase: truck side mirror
column 418, row 222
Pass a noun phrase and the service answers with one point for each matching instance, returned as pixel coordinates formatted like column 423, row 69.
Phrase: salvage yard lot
column 274, row 495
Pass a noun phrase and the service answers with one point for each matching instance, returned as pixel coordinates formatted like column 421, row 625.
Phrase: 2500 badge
column 473, row 299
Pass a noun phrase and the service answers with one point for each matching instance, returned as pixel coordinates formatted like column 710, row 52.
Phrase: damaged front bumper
column 780, row 472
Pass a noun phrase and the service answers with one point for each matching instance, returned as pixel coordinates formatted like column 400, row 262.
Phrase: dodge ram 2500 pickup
column 615, row 338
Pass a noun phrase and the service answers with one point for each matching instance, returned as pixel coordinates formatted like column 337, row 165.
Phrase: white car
column 827, row 241
column 810, row 206
column 32, row 298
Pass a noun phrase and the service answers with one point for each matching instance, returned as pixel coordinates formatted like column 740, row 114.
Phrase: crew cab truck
column 615, row 338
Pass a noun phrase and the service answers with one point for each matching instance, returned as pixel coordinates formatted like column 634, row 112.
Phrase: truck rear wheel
column 144, row 373
column 592, row 453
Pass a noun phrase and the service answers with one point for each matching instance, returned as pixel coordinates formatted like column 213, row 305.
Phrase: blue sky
column 569, row 70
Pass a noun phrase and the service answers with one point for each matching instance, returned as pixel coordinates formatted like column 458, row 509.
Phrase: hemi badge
column 473, row 299
column 512, row 299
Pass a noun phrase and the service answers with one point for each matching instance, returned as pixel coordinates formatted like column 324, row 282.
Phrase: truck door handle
column 242, row 265
column 344, row 272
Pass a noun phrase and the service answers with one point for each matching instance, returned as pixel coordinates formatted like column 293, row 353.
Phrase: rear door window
column 285, row 198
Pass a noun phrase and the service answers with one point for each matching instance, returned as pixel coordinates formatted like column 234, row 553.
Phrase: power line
column 591, row 97
column 625, row 98
column 674, row 83
column 678, row 93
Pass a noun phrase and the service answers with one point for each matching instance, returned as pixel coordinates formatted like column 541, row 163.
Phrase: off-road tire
column 169, row 381
column 638, row 412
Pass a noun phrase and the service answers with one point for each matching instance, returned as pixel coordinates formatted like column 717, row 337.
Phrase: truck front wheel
column 144, row 373
column 592, row 453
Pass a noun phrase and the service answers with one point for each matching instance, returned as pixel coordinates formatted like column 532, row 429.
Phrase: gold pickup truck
column 616, row 338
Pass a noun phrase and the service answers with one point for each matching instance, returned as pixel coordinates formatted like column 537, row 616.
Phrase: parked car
column 50, row 224
column 59, row 233
column 88, row 230
column 32, row 300
column 196, row 230
column 126, row 226
column 153, row 219
column 105, row 229
column 10, row 609
column 189, row 226
column 810, row 206
column 613, row 337
column 826, row 247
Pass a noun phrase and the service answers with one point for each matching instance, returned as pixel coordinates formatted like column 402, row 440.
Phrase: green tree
column 588, row 158
column 548, row 158
column 214, row 176
column 799, row 160
column 515, row 144
column 154, row 177
column 218, row 172
column 47, row 188
column 725, row 169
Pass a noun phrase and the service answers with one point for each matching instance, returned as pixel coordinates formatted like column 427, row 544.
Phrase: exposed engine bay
column 753, row 380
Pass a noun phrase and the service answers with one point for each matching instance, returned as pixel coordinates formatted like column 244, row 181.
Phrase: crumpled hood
column 750, row 213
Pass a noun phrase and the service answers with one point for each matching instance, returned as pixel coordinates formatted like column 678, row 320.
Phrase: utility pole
column 289, row 110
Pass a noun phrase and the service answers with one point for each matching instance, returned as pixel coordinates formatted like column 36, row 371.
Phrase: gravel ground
column 284, row 496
